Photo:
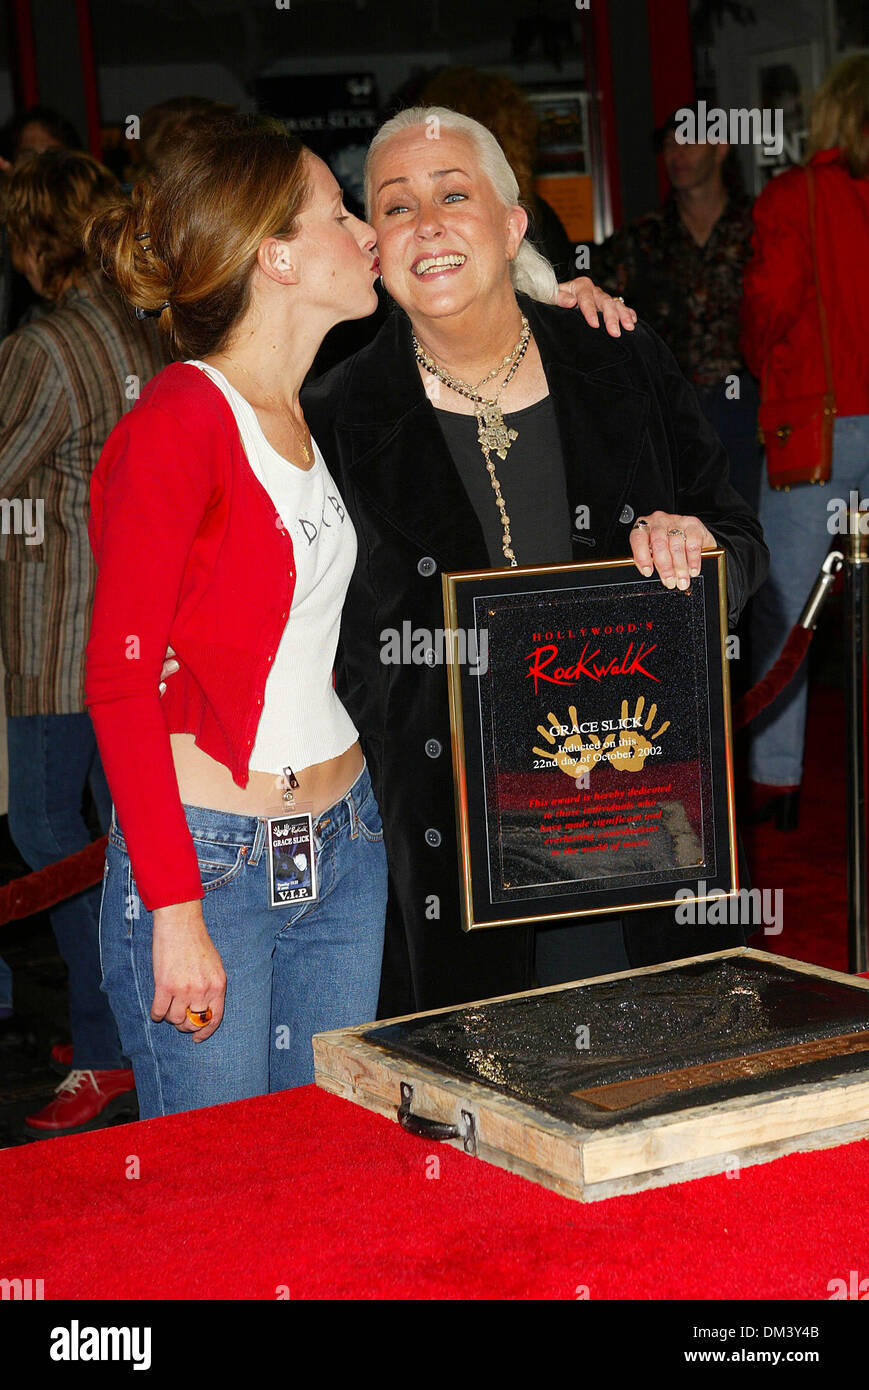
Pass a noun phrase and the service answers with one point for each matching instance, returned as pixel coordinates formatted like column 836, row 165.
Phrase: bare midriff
column 203, row 781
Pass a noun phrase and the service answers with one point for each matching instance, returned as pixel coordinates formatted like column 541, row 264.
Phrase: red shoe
column 60, row 1058
column 86, row 1100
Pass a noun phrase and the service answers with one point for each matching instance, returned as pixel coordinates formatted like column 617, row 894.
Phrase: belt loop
column 354, row 823
column 259, row 841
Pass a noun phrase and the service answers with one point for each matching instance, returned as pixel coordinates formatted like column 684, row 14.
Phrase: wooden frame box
column 809, row 1090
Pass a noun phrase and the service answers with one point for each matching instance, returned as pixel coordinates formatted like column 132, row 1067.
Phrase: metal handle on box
column 438, row 1130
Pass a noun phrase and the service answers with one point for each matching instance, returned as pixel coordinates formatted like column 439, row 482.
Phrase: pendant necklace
column 492, row 433
column 284, row 409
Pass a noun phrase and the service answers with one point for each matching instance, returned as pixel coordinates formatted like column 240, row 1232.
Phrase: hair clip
column 152, row 313
column 144, row 237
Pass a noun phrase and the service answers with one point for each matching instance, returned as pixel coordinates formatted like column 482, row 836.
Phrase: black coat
column 634, row 440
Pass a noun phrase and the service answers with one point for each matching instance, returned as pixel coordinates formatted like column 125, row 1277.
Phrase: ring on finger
column 199, row 1017
column 677, row 531
column 641, row 525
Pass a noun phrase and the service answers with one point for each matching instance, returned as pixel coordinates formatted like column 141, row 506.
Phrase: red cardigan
column 781, row 335
column 191, row 553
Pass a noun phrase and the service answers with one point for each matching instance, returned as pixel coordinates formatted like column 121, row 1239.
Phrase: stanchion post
column 856, row 574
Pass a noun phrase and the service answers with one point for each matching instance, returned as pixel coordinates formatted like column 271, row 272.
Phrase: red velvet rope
column 775, row 680
column 40, row 891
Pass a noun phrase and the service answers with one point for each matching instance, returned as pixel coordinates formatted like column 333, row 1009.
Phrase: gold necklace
column 492, row 433
column 280, row 404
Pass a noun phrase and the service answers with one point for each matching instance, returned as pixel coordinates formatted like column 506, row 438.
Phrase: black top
column 533, row 484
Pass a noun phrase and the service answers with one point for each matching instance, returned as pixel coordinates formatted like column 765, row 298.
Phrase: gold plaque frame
column 708, row 604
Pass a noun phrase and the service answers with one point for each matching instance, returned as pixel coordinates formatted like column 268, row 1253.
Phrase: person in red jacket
column 782, row 343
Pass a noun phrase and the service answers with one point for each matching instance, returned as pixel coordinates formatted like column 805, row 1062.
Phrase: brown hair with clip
column 185, row 248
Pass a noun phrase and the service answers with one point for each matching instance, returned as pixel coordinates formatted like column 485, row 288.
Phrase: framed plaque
column 591, row 740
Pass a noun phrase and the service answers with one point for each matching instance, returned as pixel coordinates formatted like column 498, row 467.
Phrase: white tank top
column 302, row 722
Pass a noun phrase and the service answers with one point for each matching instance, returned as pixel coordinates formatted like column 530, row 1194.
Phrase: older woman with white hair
column 486, row 427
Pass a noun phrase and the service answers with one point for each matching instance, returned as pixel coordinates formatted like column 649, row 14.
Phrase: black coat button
column 433, row 747
column 433, row 838
column 426, row 567
column 627, row 514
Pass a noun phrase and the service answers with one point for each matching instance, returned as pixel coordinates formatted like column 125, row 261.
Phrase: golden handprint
column 633, row 747
column 571, row 756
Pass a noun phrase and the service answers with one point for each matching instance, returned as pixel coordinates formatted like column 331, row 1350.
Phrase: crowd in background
column 765, row 301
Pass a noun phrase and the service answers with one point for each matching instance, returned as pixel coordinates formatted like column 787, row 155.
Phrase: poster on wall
column 563, row 166
column 784, row 80
column 334, row 114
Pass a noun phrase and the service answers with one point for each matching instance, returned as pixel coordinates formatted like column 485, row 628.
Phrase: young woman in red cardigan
column 217, row 529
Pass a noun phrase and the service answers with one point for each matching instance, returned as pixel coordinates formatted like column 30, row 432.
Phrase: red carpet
column 809, row 865
column 306, row 1191
column 307, row 1194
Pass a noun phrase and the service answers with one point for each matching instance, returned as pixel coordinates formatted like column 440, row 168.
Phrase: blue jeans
column 735, row 423
column 52, row 757
column 795, row 529
column 291, row 971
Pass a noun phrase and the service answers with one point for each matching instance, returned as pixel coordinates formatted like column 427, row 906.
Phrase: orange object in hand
column 200, row 1018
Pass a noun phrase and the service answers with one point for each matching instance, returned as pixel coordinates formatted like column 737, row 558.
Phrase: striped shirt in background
column 65, row 381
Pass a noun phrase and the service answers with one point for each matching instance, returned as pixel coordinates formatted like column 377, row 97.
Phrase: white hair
column 530, row 272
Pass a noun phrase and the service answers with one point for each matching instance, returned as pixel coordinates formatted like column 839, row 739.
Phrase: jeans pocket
column 368, row 818
column 119, row 904
column 218, row 863
column 116, row 839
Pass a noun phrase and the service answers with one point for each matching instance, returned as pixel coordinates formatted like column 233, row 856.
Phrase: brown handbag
column 797, row 434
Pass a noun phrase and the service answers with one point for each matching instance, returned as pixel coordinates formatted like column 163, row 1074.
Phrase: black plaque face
column 558, row 1049
column 591, row 741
